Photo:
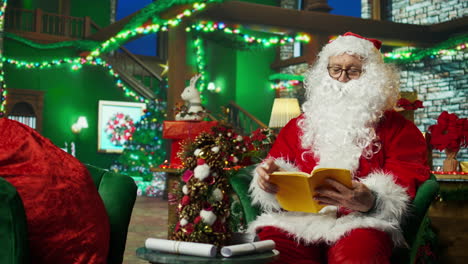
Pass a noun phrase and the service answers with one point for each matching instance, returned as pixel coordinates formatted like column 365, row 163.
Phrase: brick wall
column 366, row 9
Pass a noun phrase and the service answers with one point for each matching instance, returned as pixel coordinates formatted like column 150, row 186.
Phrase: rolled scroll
column 247, row 248
column 180, row 247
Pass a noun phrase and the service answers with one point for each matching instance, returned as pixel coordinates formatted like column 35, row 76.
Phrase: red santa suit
column 392, row 174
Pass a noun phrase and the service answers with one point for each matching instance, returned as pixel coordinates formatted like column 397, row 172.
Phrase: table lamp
column 284, row 109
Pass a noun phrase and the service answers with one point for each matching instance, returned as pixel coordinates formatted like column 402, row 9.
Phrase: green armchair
column 416, row 228
column 117, row 191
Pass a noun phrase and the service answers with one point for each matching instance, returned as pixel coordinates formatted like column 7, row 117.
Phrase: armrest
column 423, row 199
column 13, row 226
column 118, row 193
column 240, row 182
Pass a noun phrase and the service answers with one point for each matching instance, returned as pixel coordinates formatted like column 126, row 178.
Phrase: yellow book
column 297, row 189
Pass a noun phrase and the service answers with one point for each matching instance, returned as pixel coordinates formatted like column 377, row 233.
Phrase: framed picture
column 116, row 124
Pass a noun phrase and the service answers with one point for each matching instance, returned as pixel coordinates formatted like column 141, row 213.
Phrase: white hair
column 340, row 118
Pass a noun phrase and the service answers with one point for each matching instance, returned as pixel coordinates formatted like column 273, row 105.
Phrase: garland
column 236, row 36
column 78, row 44
column 284, row 76
column 448, row 47
column 151, row 12
column 149, row 22
column 201, row 64
column 77, row 64
column 3, row 91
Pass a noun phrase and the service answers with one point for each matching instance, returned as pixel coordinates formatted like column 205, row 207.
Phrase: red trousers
column 363, row 245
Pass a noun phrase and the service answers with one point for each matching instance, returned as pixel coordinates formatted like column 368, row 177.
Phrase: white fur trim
column 266, row 200
column 350, row 44
column 201, row 171
column 326, row 227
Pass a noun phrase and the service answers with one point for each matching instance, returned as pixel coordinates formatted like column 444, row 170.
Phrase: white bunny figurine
column 191, row 96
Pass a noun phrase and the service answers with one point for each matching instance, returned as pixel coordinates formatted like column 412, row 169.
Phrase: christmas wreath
column 119, row 128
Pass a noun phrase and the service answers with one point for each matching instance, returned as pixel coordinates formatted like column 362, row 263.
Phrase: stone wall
column 421, row 12
column 440, row 82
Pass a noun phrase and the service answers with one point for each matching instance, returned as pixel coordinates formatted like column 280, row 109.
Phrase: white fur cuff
column 267, row 201
column 326, row 227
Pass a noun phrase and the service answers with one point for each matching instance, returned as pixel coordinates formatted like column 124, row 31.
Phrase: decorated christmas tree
column 203, row 196
column 144, row 150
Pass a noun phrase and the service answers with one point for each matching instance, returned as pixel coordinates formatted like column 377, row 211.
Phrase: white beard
column 340, row 119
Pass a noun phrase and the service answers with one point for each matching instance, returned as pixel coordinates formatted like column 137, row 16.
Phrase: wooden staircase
column 141, row 73
column 241, row 120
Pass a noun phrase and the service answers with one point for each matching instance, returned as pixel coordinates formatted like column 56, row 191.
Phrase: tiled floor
column 149, row 219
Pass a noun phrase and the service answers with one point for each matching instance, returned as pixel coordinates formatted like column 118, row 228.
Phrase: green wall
column 221, row 69
column 68, row 94
column 242, row 76
column 253, row 91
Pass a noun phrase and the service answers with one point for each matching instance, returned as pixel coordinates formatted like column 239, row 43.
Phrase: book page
column 296, row 189
column 294, row 193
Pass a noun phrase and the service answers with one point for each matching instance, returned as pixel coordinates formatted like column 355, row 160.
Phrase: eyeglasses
column 336, row 71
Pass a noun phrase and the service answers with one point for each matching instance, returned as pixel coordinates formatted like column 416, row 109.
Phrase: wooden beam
column 397, row 34
column 456, row 26
column 376, row 7
column 177, row 67
column 112, row 30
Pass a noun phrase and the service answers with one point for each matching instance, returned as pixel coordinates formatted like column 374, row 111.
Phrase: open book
column 296, row 189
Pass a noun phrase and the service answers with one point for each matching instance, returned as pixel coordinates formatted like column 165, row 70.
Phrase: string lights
column 241, row 34
column 163, row 25
column 448, row 48
column 76, row 64
column 285, row 85
column 201, row 65
column 210, row 26
column 283, row 81
column 3, row 91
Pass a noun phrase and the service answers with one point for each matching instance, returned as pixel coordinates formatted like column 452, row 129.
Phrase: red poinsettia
column 449, row 133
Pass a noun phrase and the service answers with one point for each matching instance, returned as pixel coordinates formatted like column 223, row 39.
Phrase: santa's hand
column 358, row 198
column 264, row 170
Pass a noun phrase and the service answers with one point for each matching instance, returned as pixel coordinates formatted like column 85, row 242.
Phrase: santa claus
column 347, row 122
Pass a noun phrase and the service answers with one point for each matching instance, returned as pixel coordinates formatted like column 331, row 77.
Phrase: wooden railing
column 242, row 120
column 40, row 22
column 133, row 70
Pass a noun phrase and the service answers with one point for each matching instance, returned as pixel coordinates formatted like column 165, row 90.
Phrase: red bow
column 407, row 105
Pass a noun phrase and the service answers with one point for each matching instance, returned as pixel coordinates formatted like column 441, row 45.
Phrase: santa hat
column 354, row 44
column 377, row 43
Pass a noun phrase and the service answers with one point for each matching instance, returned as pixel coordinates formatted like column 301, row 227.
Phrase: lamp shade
column 82, row 122
column 284, row 109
